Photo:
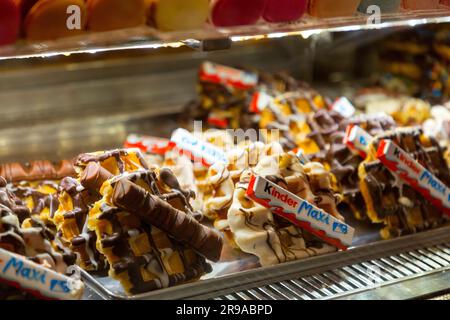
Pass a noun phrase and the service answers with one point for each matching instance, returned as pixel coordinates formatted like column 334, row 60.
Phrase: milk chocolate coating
column 162, row 215
column 94, row 175
column 37, row 170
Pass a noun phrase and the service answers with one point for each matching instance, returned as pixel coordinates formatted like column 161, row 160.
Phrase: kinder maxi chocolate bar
column 344, row 107
column 260, row 101
column 301, row 156
column 197, row 149
column 149, row 144
column 400, row 162
column 357, row 140
column 216, row 73
column 18, row 271
column 300, row 212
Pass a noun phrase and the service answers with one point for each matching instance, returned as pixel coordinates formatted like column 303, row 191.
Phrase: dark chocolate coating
column 154, row 211
column 94, row 176
column 37, row 170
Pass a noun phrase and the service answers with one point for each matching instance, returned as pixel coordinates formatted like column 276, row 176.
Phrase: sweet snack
column 216, row 192
column 386, row 6
column 272, row 239
column 9, row 21
column 36, row 185
column 332, row 151
column 48, row 20
column 438, row 127
column 150, row 244
column 105, row 15
column 228, row 13
column 388, row 198
column 173, row 15
column 330, row 8
column 300, row 212
column 406, row 111
column 284, row 10
column 420, row 4
column 77, row 196
column 37, row 171
column 39, row 196
column 33, row 247
column 399, row 162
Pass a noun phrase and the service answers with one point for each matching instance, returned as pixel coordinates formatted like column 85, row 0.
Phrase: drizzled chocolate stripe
column 83, row 159
column 37, row 170
column 94, row 175
column 182, row 227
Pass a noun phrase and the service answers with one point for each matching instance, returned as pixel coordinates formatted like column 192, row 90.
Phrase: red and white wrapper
column 300, row 212
column 21, row 273
column 217, row 120
column 216, row 73
column 344, row 107
column 149, row 144
column 260, row 101
column 197, row 149
column 357, row 140
column 408, row 169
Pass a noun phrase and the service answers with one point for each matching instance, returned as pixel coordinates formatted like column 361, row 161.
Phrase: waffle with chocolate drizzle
column 148, row 243
column 272, row 239
column 343, row 163
column 77, row 196
column 33, row 239
column 393, row 202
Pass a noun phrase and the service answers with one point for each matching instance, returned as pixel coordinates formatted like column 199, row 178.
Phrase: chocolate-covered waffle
column 149, row 243
column 77, row 196
column 344, row 163
column 33, row 239
column 36, row 184
column 393, row 202
column 37, row 171
column 273, row 240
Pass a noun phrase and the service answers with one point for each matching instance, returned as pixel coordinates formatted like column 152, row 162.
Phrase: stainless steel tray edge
column 239, row 281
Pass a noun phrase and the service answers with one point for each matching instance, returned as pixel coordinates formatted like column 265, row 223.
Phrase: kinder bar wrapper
column 401, row 163
column 344, row 107
column 19, row 272
column 260, row 101
column 301, row 156
column 149, row 144
column 357, row 140
column 197, row 149
column 216, row 73
column 217, row 121
column 300, row 212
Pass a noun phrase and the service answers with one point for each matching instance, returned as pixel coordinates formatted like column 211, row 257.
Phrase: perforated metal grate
column 353, row 278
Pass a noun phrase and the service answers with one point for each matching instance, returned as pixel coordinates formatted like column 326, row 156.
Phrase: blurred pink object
column 284, row 10
column 227, row 13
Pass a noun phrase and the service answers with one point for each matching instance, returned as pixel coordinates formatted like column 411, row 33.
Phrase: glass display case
column 382, row 67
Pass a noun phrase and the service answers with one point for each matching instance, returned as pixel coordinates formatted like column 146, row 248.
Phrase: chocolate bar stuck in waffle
column 77, row 196
column 37, row 171
column 148, row 243
column 393, row 202
column 344, row 163
column 36, row 184
column 272, row 239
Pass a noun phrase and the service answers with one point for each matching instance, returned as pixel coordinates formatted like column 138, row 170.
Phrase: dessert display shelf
column 214, row 38
column 228, row 282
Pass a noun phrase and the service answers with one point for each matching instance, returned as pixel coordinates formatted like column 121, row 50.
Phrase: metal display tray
column 235, row 276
